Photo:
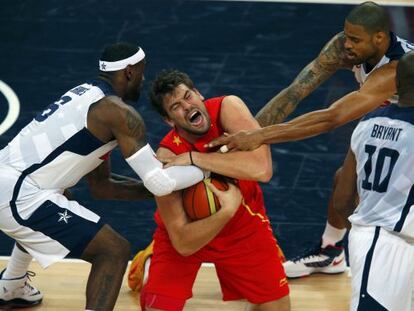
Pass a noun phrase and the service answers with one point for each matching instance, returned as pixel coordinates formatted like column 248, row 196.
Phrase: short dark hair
column 371, row 16
column 118, row 51
column 164, row 84
column 405, row 77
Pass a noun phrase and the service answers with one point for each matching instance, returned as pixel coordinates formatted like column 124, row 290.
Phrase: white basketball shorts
column 382, row 266
column 44, row 222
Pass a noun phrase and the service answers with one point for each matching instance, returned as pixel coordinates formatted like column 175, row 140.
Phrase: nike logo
column 335, row 263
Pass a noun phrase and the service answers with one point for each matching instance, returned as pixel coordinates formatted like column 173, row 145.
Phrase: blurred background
column 249, row 49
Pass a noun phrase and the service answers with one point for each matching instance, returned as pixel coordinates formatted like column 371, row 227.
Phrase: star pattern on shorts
column 64, row 216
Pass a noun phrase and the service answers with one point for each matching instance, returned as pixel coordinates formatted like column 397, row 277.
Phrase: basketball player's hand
column 243, row 141
column 230, row 199
column 180, row 159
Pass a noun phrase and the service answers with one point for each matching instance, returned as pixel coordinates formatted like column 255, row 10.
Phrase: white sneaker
column 330, row 260
column 18, row 292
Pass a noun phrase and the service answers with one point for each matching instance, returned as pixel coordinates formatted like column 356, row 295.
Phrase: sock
column 332, row 235
column 18, row 264
column 146, row 270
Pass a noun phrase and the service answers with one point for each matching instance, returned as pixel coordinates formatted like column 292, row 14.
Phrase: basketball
column 199, row 201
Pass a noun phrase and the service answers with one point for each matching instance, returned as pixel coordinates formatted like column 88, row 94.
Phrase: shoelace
column 27, row 288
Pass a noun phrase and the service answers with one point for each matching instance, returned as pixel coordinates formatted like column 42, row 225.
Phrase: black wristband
column 191, row 159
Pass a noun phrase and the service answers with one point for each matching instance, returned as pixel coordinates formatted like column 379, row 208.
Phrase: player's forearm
column 254, row 165
column 126, row 189
column 195, row 235
column 294, row 131
column 344, row 204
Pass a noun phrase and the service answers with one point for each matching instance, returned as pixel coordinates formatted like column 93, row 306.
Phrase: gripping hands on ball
column 230, row 199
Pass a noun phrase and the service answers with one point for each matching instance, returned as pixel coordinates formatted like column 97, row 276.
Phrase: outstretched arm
column 374, row 92
column 329, row 60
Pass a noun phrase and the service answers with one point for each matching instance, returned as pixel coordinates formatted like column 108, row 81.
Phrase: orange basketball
column 199, row 201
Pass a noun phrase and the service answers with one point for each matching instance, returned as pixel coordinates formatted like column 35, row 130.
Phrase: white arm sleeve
column 162, row 181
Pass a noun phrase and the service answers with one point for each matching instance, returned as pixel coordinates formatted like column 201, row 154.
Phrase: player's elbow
column 265, row 175
column 182, row 248
column 264, row 170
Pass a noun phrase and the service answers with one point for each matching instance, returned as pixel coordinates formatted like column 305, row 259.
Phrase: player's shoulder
column 112, row 104
column 232, row 100
column 112, row 110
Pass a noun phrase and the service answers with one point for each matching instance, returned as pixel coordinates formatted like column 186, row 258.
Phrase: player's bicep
column 381, row 84
column 130, row 131
column 318, row 70
column 376, row 90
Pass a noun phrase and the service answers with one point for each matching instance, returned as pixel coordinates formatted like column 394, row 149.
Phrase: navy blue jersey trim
column 366, row 301
column 405, row 211
column 395, row 50
column 83, row 143
column 105, row 87
column 393, row 112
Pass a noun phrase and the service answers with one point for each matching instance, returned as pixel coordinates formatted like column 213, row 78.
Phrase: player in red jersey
column 228, row 237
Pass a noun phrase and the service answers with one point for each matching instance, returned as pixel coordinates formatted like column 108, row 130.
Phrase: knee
column 108, row 245
column 120, row 248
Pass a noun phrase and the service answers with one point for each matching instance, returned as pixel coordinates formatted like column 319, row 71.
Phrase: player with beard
column 368, row 48
column 238, row 238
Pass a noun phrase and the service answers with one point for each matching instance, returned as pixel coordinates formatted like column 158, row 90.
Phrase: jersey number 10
column 379, row 184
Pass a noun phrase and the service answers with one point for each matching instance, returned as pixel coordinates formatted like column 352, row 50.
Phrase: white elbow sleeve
column 150, row 170
column 185, row 176
column 162, row 181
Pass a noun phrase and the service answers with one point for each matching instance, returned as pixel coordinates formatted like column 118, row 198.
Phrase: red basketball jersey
column 252, row 210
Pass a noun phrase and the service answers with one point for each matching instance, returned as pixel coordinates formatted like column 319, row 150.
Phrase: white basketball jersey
column 398, row 47
column 384, row 150
column 56, row 149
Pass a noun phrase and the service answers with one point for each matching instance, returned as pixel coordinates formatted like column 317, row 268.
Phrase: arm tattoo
column 318, row 71
column 135, row 124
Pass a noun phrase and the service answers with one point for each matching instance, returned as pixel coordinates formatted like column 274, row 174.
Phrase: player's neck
column 116, row 86
column 375, row 59
column 190, row 137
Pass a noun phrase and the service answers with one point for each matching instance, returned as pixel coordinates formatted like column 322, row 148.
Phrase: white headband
column 123, row 63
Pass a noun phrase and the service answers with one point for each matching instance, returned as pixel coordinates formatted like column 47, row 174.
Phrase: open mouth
column 350, row 55
column 195, row 117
